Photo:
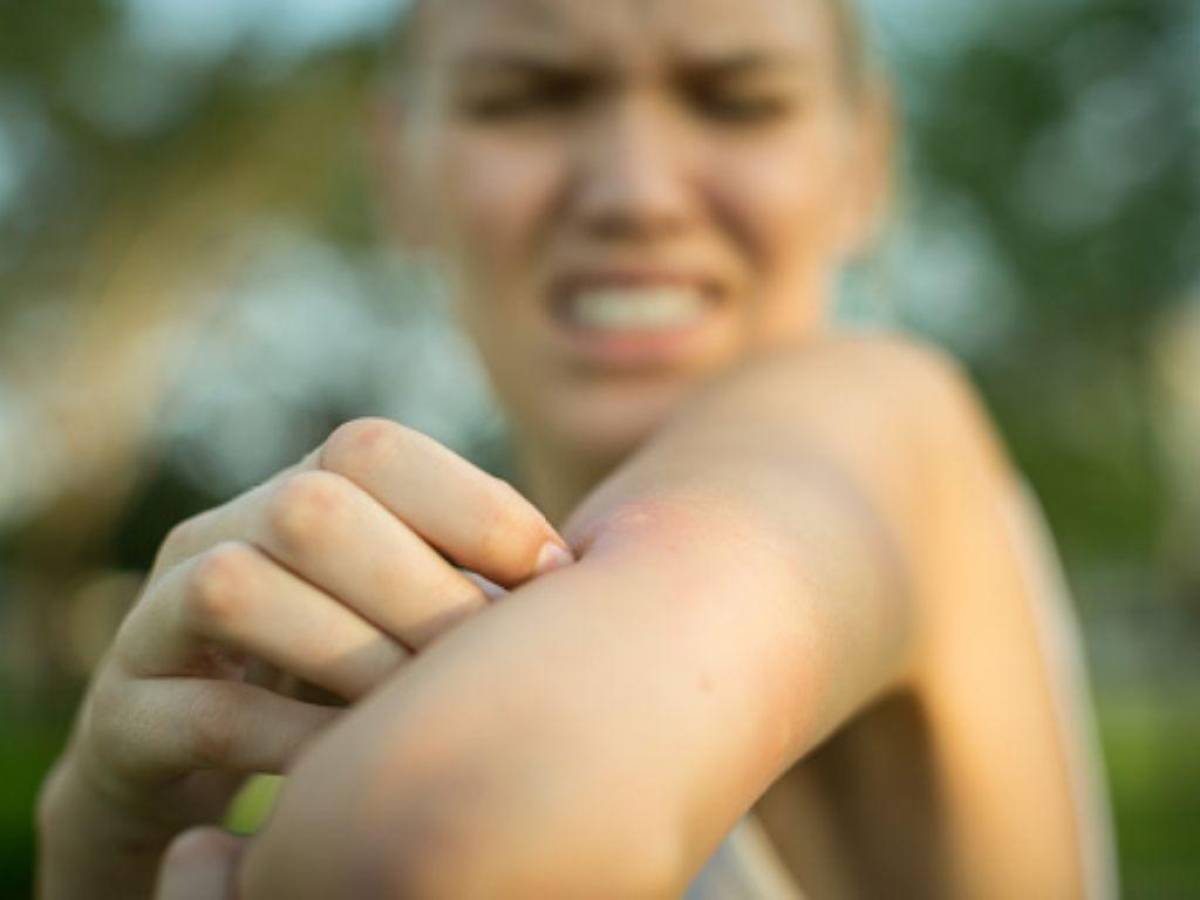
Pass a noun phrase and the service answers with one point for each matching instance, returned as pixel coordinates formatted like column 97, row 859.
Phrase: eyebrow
column 722, row 65
column 488, row 62
column 745, row 62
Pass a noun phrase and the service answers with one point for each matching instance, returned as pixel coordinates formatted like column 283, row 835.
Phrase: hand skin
column 200, row 864
column 772, row 561
column 333, row 573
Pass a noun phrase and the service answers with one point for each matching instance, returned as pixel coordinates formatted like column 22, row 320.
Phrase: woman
column 796, row 576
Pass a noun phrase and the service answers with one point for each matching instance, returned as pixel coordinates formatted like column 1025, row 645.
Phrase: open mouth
column 634, row 308
column 637, row 320
column 634, row 304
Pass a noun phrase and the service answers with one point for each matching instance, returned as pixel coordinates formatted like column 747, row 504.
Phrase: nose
column 630, row 174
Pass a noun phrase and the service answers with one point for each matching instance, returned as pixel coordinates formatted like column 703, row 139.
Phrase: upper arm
column 998, row 667
column 1003, row 680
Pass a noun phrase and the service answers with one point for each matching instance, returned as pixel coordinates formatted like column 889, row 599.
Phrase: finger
column 167, row 727
column 237, row 598
column 200, row 864
column 348, row 544
column 330, row 532
column 227, row 522
column 478, row 521
column 272, row 678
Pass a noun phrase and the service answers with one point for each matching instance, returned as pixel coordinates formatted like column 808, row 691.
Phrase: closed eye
column 742, row 107
column 524, row 90
column 746, row 89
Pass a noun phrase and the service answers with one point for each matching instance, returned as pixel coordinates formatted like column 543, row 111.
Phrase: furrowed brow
column 743, row 64
column 492, row 62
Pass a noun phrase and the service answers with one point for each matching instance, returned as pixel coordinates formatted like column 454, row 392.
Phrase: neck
column 557, row 480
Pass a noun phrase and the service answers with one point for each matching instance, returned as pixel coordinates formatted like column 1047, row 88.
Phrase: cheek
column 783, row 198
column 494, row 199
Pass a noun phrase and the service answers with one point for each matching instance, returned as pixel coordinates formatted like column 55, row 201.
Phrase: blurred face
column 630, row 195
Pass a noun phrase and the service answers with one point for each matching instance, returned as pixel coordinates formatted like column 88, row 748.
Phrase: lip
column 634, row 349
column 563, row 288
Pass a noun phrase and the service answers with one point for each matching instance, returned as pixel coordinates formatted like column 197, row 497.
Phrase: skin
column 662, row 159
column 513, row 761
column 333, row 574
column 807, row 579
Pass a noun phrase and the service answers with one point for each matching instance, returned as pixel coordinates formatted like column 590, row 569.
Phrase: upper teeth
column 636, row 307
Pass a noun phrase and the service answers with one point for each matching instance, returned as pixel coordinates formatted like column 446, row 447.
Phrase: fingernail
column 551, row 557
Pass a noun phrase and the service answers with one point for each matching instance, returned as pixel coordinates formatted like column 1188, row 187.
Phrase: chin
column 605, row 421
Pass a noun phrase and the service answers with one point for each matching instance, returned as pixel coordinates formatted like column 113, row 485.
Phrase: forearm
column 564, row 736
column 733, row 604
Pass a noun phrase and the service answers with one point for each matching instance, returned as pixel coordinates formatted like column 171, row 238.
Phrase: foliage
column 170, row 173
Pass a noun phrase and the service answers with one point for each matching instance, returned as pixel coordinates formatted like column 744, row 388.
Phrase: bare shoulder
column 1003, row 685
column 889, row 380
column 899, row 415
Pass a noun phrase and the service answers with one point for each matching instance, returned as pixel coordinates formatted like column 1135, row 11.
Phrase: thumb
column 200, row 864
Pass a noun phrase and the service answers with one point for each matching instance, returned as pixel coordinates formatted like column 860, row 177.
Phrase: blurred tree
column 1048, row 234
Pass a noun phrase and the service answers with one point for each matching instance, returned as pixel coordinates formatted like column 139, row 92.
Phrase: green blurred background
column 193, row 293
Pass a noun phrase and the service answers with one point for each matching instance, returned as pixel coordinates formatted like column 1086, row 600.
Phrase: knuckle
column 218, row 584
column 299, row 511
column 112, row 726
column 102, row 713
column 363, row 445
column 179, row 541
column 180, row 535
column 105, row 701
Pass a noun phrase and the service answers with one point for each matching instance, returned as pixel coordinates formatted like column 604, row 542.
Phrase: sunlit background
column 193, row 292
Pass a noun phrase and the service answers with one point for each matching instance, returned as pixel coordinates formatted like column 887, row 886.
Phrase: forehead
column 630, row 31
